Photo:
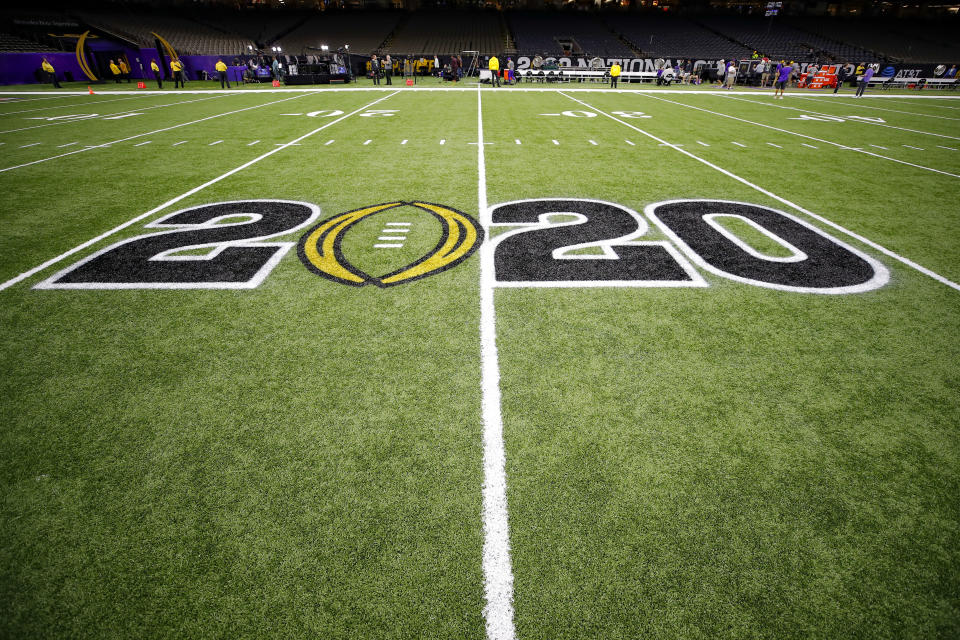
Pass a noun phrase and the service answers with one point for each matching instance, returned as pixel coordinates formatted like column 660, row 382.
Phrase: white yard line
column 148, row 133
column 801, row 135
column 860, row 104
column 106, row 115
column 497, row 567
column 173, row 201
column 819, row 218
column 820, row 113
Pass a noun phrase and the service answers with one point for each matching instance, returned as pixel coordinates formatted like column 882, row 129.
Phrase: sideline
column 819, row 218
column 148, row 133
column 172, row 201
column 803, row 135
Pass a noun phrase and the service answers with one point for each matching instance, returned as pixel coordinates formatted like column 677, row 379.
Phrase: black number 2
column 225, row 234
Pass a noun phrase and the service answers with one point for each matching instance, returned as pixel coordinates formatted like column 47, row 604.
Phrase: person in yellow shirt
column 51, row 74
column 124, row 69
column 221, row 68
column 494, row 67
column 156, row 73
column 177, row 68
column 614, row 74
column 115, row 70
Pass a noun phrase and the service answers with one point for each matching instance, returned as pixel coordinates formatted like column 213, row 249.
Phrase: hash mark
column 702, row 144
column 32, row 144
column 555, row 142
column 909, row 147
column 250, row 144
column 213, row 143
column 388, row 246
column 69, row 144
column 327, row 143
column 517, row 140
column 948, row 148
column 808, row 145
column 738, row 144
column 878, row 147
column 403, row 142
column 775, row 145
column 178, row 143
column 143, row 143
column 367, row 142
column 630, row 143
column 593, row 142
column 442, row 141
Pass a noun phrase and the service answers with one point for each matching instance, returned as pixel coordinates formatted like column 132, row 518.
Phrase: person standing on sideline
column 275, row 68
column 510, row 69
column 156, row 73
column 841, row 76
column 783, row 76
column 221, row 68
column 115, row 70
column 731, row 75
column 867, row 76
column 177, row 68
column 388, row 69
column 614, row 75
column 51, row 74
column 494, row 67
column 454, row 68
column 124, row 69
column 375, row 69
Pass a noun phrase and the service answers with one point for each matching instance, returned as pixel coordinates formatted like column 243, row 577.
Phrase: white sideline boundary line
column 818, row 218
column 172, row 201
column 803, row 135
column 103, row 116
column 497, row 566
column 469, row 88
column 820, row 113
column 148, row 133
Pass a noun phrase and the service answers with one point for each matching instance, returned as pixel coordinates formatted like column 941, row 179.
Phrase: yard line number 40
column 546, row 242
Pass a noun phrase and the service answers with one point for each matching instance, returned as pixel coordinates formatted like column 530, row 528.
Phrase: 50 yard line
column 497, row 569
column 172, row 201
column 830, row 223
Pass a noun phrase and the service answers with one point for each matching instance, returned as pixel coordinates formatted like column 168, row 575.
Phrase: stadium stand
column 672, row 37
column 447, row 32
column 779, row 40
column 543, row 33
column 905, row 40
column 184, row 34
column 14, row 43
column 364, row 32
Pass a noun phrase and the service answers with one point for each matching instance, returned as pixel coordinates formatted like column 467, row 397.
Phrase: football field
column 529, row 362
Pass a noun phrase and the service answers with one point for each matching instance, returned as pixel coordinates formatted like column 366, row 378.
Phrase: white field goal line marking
column 819, row 218
column 497, row 569
column 802, row 135
column 820, row 113
column 107, row 115
column 860, row 104
column 172, row 201
column 140, row 135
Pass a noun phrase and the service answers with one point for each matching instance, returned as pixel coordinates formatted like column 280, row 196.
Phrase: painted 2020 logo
column 224, row 246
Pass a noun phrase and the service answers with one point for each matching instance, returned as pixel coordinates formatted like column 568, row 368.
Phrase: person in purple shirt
column 867, row 75
column 783, row 75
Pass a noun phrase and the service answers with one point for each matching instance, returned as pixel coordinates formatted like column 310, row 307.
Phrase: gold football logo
column 320, row 248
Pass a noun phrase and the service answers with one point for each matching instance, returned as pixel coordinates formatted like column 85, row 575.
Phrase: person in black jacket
column 841, row 76
column 375, row 69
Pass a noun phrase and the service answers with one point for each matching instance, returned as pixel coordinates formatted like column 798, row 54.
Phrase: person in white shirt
column 731, row 76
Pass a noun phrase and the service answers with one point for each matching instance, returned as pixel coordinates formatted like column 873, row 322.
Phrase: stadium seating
column 779, row 40
column 539, row 32
column 10, row 42
column 448, row 32
column 364, row 32
column 672, row 37
column 185, row 35
column 907, row 40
